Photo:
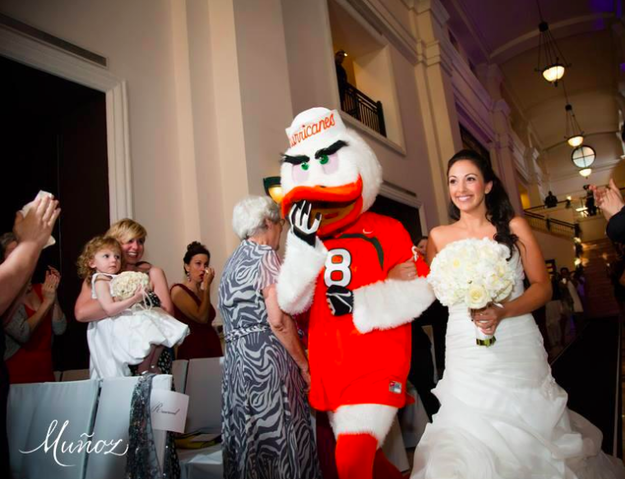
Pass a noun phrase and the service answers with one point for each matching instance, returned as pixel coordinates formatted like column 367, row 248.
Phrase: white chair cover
column 112, row 422
column 23, row 400
column 204, row 391
column 201, row 463
column 75, row 375
column 179, row 369
column 72, row 405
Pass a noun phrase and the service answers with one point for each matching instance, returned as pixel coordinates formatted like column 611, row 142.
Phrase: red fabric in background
column 32, row 363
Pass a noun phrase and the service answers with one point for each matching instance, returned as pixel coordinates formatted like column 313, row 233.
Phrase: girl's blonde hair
column 127, row 229
column 94, row 245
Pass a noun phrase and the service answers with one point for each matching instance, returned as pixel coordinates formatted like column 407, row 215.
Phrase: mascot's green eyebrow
column 299, row 159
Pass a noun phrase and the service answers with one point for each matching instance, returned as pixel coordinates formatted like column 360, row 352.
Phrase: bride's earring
column 188, row 275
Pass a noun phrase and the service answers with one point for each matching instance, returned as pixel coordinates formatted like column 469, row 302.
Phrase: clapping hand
column 50, row 285
column 37, row 226
column 608, row 199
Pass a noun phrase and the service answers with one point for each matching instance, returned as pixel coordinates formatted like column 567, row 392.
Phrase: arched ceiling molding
column 586, row 136
column 562, row 29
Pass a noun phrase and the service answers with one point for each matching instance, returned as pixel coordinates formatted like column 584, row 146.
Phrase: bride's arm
column 431, row 249
column 539, row 292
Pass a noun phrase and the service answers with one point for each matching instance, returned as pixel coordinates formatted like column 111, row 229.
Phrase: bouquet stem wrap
column 473, row 272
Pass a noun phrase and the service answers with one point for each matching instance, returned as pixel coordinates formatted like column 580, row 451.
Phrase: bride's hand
column 488, row 318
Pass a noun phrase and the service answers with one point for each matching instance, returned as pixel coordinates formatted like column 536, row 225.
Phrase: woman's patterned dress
column 266, row 428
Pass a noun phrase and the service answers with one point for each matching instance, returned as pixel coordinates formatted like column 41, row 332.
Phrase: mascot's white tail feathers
column 298, row 274
column 391, row 303
column 373, row 419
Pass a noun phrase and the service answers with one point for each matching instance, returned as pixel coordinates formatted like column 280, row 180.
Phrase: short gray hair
column 249, row 215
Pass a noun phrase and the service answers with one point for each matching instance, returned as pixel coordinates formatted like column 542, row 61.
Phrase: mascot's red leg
column 355, row 454
column 383, row 469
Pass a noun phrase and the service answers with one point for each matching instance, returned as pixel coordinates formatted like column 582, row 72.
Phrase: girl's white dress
column 502, row 414
column 125, row 339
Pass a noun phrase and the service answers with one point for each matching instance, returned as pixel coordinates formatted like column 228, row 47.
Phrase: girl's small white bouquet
column 474, row 272
column 124, row 285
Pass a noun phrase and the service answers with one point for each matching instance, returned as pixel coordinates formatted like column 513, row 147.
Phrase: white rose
column 476, row 297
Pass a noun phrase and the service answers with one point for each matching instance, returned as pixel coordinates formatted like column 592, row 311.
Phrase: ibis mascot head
column 329, row 166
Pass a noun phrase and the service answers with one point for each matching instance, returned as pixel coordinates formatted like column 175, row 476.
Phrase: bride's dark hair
column 499, row 210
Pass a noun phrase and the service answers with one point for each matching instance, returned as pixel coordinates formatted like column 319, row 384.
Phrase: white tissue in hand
column 27, row 207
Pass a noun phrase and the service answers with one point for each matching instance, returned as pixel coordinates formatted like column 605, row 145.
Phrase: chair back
column 75, row 375
column 204, row 391
column 179, row 369
column 112, row 423
column 60, row 414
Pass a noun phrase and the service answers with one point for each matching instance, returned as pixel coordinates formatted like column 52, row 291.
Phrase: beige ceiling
column 505, row 32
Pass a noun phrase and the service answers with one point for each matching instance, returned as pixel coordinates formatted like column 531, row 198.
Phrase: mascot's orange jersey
column 346, row 366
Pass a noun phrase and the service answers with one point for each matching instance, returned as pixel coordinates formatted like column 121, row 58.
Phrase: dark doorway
column 408, row 216
column 54, row 139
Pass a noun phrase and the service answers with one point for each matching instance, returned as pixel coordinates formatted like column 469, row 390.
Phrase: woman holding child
column 131, row 237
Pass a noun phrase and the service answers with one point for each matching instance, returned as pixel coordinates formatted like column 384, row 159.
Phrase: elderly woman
column 265, row 414
column 31, row 328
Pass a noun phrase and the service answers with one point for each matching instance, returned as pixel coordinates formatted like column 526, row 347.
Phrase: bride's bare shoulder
column 443, row 234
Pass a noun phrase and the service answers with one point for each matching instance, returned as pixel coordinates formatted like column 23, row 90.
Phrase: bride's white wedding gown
column 502, row 414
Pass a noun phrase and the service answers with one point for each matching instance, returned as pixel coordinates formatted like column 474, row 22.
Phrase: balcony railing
column 358, row 105
column 550, row 225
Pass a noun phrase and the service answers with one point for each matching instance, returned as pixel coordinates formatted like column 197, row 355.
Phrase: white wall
column 136, row 37
column 554, row 247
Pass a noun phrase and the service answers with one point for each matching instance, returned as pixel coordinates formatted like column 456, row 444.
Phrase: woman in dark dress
column 266, row 430
column 192, row 305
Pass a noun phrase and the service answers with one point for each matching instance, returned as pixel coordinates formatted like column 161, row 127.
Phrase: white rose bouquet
column 474, row 272
column 124, row 285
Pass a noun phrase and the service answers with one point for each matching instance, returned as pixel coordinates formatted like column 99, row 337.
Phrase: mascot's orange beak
column 338, row 205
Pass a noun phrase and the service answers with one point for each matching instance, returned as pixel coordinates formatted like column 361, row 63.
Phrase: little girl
column 134, row 333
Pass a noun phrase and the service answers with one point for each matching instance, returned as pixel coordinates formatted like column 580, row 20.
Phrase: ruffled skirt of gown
column 503, row 416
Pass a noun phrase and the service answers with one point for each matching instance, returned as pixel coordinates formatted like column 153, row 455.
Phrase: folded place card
column 169, row 410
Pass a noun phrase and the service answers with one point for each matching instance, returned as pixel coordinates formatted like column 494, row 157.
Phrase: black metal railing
column 358, row 105
column 550, row 225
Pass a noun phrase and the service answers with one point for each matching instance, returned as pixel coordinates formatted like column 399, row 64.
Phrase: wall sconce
column 273, row 188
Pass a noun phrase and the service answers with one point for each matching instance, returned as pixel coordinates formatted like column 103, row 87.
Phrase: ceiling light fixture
column 551, row 63
column 586, row 172
column 573, row 132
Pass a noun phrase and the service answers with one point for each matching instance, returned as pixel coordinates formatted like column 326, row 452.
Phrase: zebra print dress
column 266, row 428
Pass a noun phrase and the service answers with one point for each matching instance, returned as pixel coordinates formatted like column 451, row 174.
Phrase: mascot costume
column 337, row 260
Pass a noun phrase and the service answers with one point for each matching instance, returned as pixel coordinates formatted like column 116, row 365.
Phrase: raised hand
column 609, row 200
column 340, row 300
column 209, row 275
column 37, row 226
column 299, row 217
column 50, row 285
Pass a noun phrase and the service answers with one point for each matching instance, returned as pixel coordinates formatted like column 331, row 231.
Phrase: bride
column 502, row 415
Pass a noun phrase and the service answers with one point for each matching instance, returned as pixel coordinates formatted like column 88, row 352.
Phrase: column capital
column 435, row 7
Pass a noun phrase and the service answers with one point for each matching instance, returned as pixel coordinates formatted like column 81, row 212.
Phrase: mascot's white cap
column 315, row 127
